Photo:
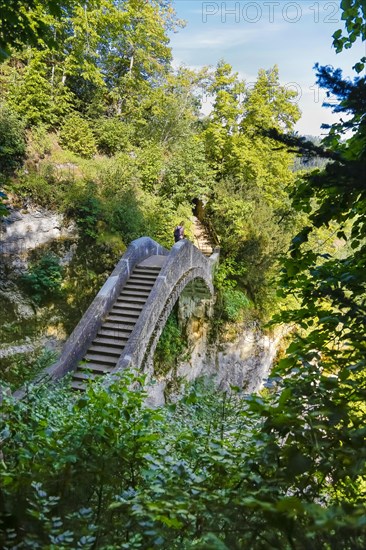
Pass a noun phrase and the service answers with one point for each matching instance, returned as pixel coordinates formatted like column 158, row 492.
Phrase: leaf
column 170, row 522
column 285, row 395
column 298, row 463
column 337, row 34
column 291, row 505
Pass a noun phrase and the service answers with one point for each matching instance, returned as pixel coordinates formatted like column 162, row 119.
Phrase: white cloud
column 222, row 36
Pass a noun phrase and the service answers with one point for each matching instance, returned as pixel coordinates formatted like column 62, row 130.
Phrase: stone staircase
column 114, row 333
column 201, row 238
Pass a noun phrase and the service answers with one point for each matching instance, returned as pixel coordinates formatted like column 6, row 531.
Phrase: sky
column 253, row 35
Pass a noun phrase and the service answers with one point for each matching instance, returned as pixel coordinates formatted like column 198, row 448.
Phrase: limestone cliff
column 243, row 360
column 28, row 228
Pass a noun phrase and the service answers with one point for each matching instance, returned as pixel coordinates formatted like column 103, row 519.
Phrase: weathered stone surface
column 245, row 362
column 21, row 231
column 156, row 393
column 12, row 299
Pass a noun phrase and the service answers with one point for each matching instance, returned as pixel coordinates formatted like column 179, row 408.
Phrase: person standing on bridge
column 179, row 232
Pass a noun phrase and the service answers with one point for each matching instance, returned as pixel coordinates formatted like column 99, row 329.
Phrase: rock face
column 245, row 361
column 23, row 231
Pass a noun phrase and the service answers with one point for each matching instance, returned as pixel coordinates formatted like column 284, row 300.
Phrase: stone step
column 131, row 298
column 113, row 337
column 148, row 282
column 135, row 292
column 111, row 329
column 121, row 318
column 134, row 286
column 104, row 349
column 120, row 305
column 147, row 268
column 100, row 358
column 143, row 273
column 93, row 367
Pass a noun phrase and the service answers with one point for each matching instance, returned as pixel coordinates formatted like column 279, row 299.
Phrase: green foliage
column 102, row 470
column 225, row 274
column 320, row 412
column 126, row 216
column 36, row 94
column 150, row 163
column 112, row 135
column 40, row 141
column 146, row 119
column 281, row 470
column 43, row 279
column 330, row 288
column 40, row 186
column 249, row 207
column 24, row 22
column 77, row 136
column 187, row 174
column 87, row 211
column 354, row 15
column 12, row 140
column 234, row 304
column 22, row 368
column 170, row 347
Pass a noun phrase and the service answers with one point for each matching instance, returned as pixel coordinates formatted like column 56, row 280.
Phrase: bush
column 170, row 346
column 111, row 135
column 12, row 141
column 77, row 136
column 44, row 278
column 39, row 186
column 234, row 304
column 126, row 216
column 40, row 141
column 102, row 470
column 87, row 211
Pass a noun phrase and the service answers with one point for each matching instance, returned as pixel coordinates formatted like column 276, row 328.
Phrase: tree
column 320, row 413
column 354, row 15
column 37, row 93
column 111, row 51
column 77, row 136
column 222, row 126
column 134, row 53
column 28, row 22
column 12, row 140
column 250, row 207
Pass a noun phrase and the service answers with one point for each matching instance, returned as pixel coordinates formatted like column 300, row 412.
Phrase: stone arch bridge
column 122, row 326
